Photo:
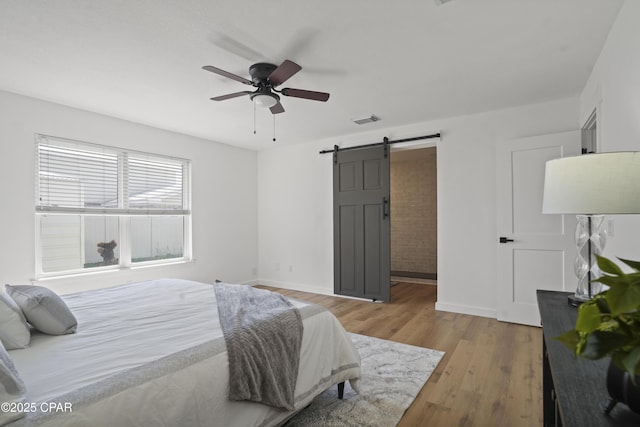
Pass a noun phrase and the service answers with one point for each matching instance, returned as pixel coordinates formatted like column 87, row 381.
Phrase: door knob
column 505, row 240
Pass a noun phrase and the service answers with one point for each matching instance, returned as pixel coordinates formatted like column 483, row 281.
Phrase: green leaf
column 608, row 266
column 570, row 339
column 602, row 304
column 600, row 344
column 611, row 281
column 589, row 317
column 624, row 296
column 610, row 325
column 633, row 264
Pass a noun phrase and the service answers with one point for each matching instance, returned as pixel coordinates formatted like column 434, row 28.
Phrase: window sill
column 139, row 266
column 147, row 264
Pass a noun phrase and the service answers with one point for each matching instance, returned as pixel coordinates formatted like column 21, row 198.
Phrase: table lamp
column 591, row 186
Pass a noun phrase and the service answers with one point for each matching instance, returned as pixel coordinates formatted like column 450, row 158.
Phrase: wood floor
column 491, row 374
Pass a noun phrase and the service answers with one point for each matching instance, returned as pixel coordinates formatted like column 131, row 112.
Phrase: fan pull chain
column 274, row 128
column 254, row 118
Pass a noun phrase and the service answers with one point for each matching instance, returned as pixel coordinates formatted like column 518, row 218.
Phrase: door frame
column 525, row 242
column 418, row 146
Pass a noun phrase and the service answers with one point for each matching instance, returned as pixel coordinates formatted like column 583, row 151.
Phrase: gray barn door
column 361, row 223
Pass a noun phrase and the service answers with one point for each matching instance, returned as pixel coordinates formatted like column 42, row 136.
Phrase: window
column 100, row 207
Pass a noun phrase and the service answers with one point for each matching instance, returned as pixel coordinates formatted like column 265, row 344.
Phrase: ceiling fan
column 265, row 77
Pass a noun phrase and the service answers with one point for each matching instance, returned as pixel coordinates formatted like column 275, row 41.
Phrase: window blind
column 87, row 178
column 154, row 183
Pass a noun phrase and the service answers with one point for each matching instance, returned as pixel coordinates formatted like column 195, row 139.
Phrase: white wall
column 295, row 202
column 223, row 188
column 614, row 89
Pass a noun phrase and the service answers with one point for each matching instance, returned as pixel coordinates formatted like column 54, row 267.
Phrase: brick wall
column 414, row 211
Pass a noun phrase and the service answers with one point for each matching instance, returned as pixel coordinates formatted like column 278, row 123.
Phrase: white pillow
column 14, row 331
column 12, row 388
column 44, row 309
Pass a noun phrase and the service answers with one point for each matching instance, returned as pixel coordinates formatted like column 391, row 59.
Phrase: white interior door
column 540, row 249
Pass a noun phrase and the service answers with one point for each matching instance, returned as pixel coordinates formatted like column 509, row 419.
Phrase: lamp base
column 574, row 301
column 591, row 238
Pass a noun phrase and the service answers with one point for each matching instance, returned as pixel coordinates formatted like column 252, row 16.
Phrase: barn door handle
column 385, row 204
column 505, row 240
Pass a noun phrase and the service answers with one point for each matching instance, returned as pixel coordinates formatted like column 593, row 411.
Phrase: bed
column 153, row 353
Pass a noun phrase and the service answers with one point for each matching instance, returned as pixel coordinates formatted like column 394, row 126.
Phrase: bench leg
column 340, row 390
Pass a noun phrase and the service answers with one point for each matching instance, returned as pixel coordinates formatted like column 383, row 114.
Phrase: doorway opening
column 414, row 247
column 589, row 137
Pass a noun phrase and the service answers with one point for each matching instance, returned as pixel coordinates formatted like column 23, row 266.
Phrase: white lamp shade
column 265, row 100
column 604, row 183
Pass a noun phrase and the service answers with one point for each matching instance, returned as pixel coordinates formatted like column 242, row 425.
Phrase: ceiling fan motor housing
column 261, row 71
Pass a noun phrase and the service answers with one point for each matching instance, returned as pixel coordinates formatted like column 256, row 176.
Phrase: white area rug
column 392, row 376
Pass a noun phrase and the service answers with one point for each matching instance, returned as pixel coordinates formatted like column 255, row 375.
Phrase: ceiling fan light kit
column 265, row 100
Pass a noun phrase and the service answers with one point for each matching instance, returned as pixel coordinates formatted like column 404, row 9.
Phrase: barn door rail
column 386, row 142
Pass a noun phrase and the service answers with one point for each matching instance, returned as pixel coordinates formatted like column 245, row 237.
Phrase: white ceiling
column 406, row 61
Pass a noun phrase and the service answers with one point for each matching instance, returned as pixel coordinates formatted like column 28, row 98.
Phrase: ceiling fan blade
column 306, row 94
column 231, row 95
column 277, row 109
column 224, row 41
column 227, row 74
column 284, row 72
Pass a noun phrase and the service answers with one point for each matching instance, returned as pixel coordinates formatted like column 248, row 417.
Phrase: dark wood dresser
column 574, row 389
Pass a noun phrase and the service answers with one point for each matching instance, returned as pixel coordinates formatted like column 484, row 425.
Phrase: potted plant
column 609, row 325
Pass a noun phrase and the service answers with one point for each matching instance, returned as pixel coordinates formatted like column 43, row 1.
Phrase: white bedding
column 152, row 353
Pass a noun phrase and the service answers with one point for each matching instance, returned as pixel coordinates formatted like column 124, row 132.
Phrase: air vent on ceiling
column 363, row 120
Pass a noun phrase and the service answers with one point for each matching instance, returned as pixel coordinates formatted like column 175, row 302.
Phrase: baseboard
column 303, row 288
column 295, row 287
column 467, row 309
column 432, row 276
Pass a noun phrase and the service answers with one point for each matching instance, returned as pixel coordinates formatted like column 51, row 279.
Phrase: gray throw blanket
column 263, row 334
